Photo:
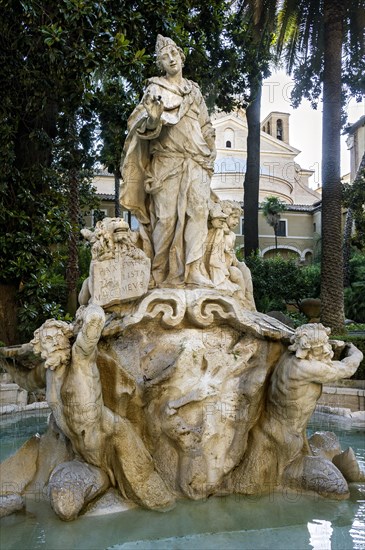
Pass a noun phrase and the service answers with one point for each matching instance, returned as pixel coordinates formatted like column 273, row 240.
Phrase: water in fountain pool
column 17, row 428
column 277, row 521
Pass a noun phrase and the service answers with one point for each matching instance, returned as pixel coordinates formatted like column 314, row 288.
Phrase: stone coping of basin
column 355, row 418
column 348, row 383
column 344, row 391
column 336, row 396
column 10, row 409
column 9, row 386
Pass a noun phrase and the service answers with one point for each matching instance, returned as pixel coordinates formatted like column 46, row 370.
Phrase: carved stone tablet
column 119, row 279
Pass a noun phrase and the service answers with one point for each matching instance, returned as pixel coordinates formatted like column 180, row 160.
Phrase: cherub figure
column 215, row 260
column 221, row 263
column 238, row 271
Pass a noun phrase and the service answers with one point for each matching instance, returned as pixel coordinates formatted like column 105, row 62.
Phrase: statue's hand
column 93, row 321
column 154, row 107
column 338, row 345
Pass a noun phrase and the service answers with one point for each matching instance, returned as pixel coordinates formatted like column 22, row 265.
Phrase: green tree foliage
column 277, row 281
column 48, row 52
column 323, row 45
column 301, row 39
column 355, row 301
column 355, row 292
column 354, row 198
column 271, row 209
column 44, row 295
column 353, row 195
column 197, row 26
column 58, row 58
column 113, row 101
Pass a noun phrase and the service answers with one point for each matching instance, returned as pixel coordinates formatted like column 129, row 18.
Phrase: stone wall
column 10, row 393
column 347, row 398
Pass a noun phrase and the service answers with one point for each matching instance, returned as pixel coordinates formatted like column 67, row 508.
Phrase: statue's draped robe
column 166, row 177
column 215, row 258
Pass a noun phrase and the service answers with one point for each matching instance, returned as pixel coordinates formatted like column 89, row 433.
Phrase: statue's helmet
column 164, row 42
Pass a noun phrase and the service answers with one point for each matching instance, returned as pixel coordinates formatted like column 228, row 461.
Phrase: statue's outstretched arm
column 329, row 372
column 26, row 369
column 349, row 364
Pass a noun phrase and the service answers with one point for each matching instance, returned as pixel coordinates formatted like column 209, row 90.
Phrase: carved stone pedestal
column 181, row 393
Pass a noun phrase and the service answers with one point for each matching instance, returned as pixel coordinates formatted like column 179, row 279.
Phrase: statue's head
column 217, row 217
column 52, row 342
column 164, row 45
column 233, row 211
column 311, row 341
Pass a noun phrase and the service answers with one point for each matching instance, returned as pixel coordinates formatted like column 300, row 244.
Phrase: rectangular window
column 282, row 228
column 132, row 220
column 98, row 215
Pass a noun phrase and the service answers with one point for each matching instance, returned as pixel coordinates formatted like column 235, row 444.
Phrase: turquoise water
column 17, row 428
column 278, row 521
column 349, row 436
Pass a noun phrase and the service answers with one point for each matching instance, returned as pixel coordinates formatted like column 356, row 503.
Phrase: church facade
column 280, row 176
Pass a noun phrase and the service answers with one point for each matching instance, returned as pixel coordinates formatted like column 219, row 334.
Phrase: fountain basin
column 282, row 520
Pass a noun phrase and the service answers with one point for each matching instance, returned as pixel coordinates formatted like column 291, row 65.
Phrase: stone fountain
column 169, row 384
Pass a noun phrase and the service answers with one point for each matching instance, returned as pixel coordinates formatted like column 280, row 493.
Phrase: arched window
column 279, row 129
column 229, row 138
column 269, row 128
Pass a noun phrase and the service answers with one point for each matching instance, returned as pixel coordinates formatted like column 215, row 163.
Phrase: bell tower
column 277, row 125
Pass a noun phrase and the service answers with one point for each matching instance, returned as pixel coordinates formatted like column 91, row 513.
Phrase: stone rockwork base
column 181, row 394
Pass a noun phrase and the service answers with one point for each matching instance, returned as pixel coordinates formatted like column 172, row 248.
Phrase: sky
column 305, row 123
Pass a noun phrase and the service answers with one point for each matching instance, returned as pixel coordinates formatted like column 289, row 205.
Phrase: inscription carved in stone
column 118, row 280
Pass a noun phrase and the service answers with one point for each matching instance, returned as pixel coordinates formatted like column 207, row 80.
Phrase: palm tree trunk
column 252, row 176
column 332, row 299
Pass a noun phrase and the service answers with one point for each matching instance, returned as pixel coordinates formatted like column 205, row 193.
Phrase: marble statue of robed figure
column 167, row 167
